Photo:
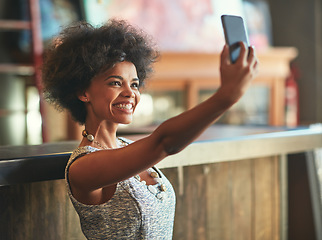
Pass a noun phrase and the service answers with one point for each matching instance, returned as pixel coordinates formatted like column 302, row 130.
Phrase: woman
column 96, row 74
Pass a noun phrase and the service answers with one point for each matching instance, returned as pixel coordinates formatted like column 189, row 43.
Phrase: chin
column 126, row 121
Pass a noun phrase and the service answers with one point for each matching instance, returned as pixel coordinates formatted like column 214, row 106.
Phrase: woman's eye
column 135, row 85
column 115, row 83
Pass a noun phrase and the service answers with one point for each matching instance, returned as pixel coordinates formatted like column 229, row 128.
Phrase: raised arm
column 107, row 167
column 179, row 131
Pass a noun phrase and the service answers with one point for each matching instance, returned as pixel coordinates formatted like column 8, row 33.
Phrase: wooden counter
column 21, row 164
column 230, row 184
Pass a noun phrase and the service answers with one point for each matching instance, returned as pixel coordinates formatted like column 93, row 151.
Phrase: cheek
column 138, row 98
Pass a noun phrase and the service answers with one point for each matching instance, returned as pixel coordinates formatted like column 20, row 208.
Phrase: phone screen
column 235, row 32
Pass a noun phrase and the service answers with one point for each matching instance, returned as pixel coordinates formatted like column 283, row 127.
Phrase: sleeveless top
column 134, row 211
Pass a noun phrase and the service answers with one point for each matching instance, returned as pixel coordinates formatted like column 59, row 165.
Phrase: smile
column 127, row 106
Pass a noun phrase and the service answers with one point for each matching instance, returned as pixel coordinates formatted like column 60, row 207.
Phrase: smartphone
column 235, row 32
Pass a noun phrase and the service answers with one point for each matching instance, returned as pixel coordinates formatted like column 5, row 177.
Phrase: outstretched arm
column 104, row 168
column 179, row 131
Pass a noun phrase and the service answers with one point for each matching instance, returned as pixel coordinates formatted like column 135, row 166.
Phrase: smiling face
column 113, row 95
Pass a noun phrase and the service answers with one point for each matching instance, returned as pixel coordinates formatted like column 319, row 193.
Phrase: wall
column 298, row 23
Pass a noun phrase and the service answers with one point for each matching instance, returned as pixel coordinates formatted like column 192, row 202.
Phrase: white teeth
column 124, row 106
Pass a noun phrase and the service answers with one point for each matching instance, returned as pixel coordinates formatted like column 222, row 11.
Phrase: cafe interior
column 254, row 174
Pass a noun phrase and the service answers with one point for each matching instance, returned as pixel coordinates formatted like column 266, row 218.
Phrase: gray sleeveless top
column 134, row 211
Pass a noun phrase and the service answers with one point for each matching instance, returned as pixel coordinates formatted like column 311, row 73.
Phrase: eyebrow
column 114, row 76
column 120, row 77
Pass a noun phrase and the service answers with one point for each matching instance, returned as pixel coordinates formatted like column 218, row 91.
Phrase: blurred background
column 188, row 33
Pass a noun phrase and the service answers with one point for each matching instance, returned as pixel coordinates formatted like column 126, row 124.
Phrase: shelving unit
column 33, row 69
column 192, row 72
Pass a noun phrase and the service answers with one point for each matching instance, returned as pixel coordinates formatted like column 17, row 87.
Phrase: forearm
column 178, row 132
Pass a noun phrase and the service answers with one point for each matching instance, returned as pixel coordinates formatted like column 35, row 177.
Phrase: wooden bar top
column 31, row 163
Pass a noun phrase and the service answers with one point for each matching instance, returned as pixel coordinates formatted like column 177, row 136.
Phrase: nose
column 127, row 91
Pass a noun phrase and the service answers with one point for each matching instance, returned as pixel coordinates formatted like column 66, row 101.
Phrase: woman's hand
column 236, row 78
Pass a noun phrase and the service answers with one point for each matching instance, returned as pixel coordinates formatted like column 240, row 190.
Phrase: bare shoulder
column 84, row 193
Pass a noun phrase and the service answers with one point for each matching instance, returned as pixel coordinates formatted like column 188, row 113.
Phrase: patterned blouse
column 136, row 211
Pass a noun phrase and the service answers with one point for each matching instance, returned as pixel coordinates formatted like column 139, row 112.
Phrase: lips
column 124, row 106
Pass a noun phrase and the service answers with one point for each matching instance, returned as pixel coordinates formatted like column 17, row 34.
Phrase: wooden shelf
column 19, row 69
column 14, row 25
column 192, row 72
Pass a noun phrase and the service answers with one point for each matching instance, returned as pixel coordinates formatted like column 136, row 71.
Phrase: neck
column 103, row 133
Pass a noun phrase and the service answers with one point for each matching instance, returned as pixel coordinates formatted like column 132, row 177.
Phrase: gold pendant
column 163, row 188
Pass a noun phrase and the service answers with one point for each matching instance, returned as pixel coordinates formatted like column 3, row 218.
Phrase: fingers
column 243, row 53
column 224, row 57
column 252, row 59
column 247, row 55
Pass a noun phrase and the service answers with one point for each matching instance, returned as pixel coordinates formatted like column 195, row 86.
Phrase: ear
column 83, row 97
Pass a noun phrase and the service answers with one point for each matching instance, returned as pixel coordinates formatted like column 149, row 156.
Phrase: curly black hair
column 81, row 51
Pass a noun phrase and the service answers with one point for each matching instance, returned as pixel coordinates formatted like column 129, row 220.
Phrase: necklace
column 91, row 138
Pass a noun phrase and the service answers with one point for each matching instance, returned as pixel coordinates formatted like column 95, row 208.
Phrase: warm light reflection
column 144, row 111
column 34, row 120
